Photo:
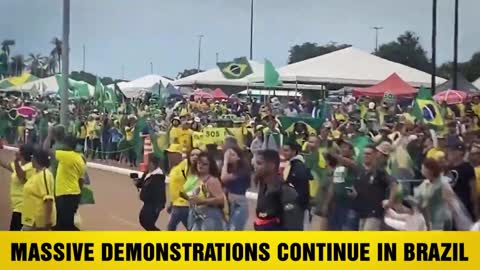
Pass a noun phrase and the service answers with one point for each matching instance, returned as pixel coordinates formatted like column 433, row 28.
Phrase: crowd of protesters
column 404, row 175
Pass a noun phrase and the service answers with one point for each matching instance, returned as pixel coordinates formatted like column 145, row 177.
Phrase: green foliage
column 406, row 50
column 90, row 78
column 309, row 50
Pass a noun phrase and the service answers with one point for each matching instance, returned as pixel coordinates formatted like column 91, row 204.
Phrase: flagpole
column 434, row 44
column 455, row 49
column 65, row 53
column 251, row 30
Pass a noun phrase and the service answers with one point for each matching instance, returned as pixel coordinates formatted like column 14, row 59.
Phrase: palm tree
column 18, row 64
column 6, row 44
column 57, row 51
column 36, row 63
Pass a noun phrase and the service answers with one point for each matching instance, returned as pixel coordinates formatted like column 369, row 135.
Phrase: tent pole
column 296, row 88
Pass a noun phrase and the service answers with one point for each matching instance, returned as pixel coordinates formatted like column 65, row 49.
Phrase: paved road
column 117, row 204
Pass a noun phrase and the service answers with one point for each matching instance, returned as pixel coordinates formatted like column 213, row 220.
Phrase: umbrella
column 451, row 96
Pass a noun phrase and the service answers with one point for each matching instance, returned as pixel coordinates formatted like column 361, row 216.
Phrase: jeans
column 208, row 219
column 343, row 218
column 178, row 214
column 238, row 212
column 67, row 206
column 148, row 216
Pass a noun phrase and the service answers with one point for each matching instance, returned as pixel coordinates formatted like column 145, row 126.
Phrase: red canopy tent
column 393, row 85
column 219, row 94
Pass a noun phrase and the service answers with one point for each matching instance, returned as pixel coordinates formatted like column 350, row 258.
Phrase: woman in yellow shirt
column 39, row 212
column 21, row 169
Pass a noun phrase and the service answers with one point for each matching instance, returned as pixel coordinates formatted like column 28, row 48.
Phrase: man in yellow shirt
column 21, row 169
column 68, row 181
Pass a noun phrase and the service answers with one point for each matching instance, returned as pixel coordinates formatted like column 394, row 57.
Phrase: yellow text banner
column 239, row 250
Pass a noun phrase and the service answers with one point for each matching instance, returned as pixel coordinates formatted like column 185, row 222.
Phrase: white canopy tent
column 260, row 92
column 477, row 83
column 142, row 85
column 215, row 77
column 352, row 66
column 46, row 86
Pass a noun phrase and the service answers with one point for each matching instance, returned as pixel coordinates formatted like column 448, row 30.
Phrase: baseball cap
column 384, row 148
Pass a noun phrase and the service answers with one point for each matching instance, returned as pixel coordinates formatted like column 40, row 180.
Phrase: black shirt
column 372, row 188
column 460, row 176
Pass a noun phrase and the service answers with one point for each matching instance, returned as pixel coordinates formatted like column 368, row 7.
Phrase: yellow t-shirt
column 476, row 109
column 92, row 129
column 82, row 134
column 435, row 154
column 71, row 167
column 16, row 187
column 129, row 133
column 174, row 135
column 185, row 138
column 38, row 188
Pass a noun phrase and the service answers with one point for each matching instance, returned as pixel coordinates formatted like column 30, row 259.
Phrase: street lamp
column 199, row 51
column 376, row 28
column 65, row 53
column 434, row 44
column 251, row 30
column 455, row 49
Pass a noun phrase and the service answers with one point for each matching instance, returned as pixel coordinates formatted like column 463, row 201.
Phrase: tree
column 57, row 52
column 36, row 64
column 470, row 69
column 308, row 50
column 91, row 78
column 17, row 65
column 406, row 50
column 188, row 72
column 6, row 44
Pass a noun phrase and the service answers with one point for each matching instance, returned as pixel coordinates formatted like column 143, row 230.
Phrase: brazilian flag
column 428, row 111
column 236, row 69
column 312, row 124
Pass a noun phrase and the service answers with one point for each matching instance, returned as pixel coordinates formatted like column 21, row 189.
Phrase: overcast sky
column 134, row 33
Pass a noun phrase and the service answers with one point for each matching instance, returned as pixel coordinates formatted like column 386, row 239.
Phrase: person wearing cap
column 462, row 175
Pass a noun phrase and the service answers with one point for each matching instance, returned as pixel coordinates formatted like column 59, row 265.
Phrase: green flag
column 359, row 143
column 110, row 95
column 271, row 76
column 236, row 69
column 162, row 94
column 424, row 93
column 99, row 93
